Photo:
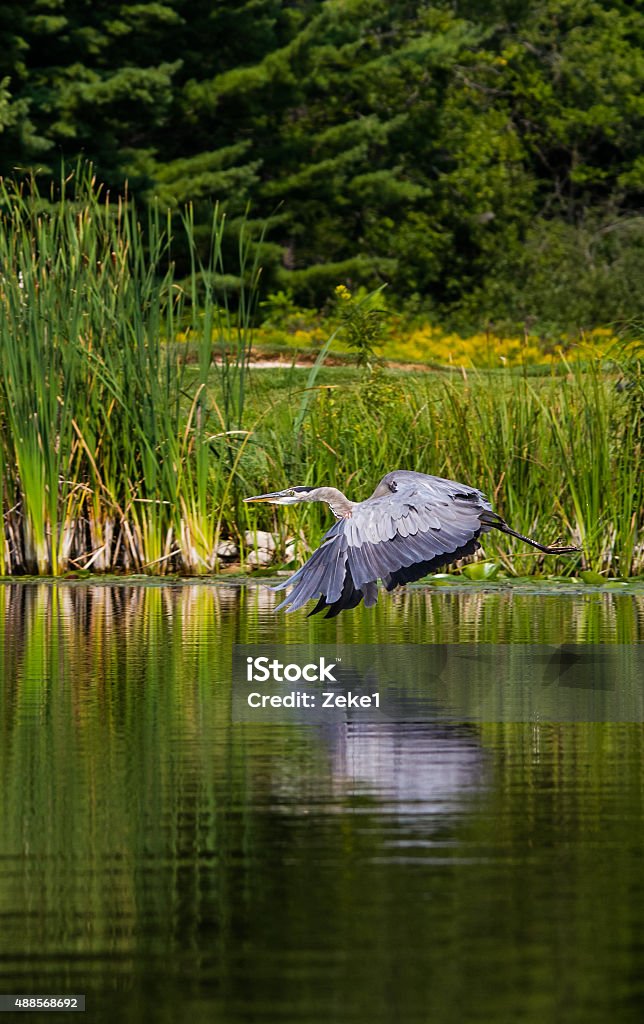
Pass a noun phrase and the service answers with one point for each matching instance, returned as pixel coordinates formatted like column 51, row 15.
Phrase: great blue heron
column 410, row 526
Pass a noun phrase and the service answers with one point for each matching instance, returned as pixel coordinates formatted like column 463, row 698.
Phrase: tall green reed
column 111, row 458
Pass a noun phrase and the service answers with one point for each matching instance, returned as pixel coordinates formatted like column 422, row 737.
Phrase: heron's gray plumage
column 412, row 524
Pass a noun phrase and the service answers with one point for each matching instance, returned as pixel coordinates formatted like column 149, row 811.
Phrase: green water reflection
column 172, row 865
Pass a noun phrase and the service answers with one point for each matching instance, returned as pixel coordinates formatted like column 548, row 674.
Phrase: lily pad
column 482, row 570
column 592, row 577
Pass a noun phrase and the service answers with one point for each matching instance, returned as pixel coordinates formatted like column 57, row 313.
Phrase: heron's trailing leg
column 501, row 525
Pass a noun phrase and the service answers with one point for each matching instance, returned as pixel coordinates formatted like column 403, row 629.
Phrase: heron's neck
column 335, row 499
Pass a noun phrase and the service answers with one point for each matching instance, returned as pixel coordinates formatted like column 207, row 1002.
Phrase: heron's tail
column 489, row 519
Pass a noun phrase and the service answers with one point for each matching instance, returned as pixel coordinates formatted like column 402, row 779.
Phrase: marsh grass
column 560, row 457
column 132, row 423
column 107, row 460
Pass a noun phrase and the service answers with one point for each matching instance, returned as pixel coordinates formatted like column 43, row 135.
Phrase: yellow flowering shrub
column 288, row 325
column 431, row 344
column 434, row 345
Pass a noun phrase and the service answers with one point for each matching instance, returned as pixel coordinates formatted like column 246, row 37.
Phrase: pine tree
column 442, row 146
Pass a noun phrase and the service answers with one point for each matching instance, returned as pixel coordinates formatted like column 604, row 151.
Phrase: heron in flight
column 410, row 526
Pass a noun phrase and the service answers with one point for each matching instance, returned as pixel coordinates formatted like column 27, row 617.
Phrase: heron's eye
column 393, row 486
column 291, row 494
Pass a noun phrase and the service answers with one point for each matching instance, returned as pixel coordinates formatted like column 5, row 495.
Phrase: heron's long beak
column 276, row 498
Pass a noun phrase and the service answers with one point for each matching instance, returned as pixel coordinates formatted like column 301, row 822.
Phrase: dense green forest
column 485, row 159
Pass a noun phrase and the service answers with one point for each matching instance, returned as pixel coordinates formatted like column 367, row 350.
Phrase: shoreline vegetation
column 133, row 422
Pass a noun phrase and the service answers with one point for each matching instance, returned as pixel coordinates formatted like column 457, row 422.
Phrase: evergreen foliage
column 484, row 159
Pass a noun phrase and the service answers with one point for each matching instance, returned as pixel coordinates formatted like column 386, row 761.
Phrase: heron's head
column 288, row 497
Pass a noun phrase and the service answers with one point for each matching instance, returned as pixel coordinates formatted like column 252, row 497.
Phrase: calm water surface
column 174, row 865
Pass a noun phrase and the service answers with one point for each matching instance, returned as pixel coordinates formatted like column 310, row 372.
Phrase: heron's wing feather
column 402, row 536
column 397, row 537
column 319, row 554
column 416, row 571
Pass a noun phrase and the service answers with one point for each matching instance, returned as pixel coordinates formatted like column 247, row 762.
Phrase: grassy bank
column 120, row 454
column 558, row 455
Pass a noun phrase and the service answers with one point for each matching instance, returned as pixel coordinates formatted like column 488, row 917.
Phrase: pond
column 175, row 864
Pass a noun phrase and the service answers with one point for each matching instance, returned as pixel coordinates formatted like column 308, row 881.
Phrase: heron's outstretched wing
column 396, row 537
